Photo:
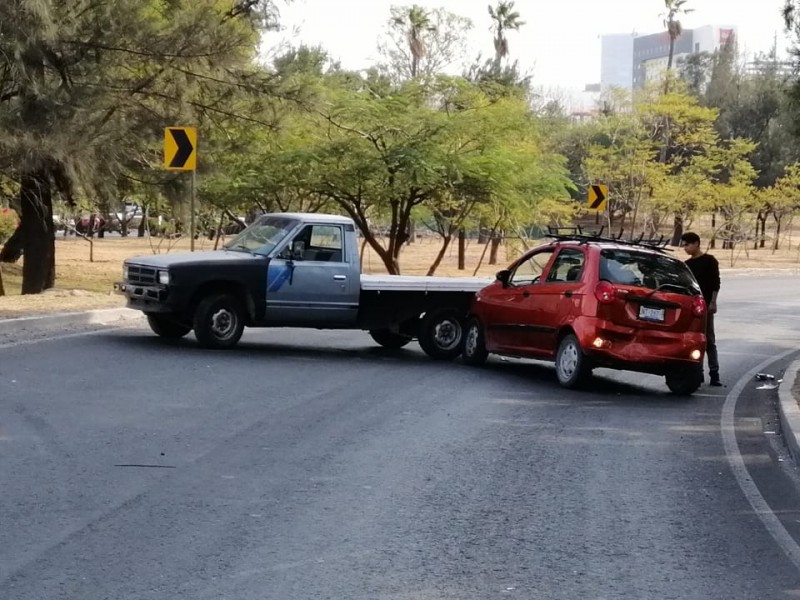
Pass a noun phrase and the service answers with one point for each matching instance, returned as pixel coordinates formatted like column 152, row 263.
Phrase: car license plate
column 647, row 313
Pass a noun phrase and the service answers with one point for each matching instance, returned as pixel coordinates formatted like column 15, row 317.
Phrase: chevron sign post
column 180, row 154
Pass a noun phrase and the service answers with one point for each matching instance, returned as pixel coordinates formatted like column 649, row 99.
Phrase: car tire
column 441, row 334
column 684, row 382
column 219, row 321
column 389, row 339
column 168, row 327
column 474, row 353
column 573, row 367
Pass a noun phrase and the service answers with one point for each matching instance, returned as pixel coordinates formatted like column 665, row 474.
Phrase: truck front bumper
column 151, row 299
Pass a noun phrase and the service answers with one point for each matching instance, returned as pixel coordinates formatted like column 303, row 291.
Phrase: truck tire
column 684, row 382
column 219, row 321
column 389, row 339
column 441, row 334
column 475, row 352
column 168, row 327
column 572, row 365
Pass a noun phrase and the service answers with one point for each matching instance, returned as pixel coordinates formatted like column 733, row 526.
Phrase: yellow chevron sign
column 598, row 197
column 180, row 148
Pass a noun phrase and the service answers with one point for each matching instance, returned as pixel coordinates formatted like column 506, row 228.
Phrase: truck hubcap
column 447, row 334
column 223, row 323
column 568, row 361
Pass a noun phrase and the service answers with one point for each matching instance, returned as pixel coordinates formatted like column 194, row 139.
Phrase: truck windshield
column 262, row 235
column 647, row 270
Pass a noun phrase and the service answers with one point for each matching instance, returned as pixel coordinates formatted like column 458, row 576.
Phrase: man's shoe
column 715, row 381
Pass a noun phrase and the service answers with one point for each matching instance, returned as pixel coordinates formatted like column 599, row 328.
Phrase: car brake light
column 698, row 306
column 605, row 292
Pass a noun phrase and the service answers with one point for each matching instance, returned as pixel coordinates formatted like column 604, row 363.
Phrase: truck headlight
column 124, row 272
column 163, row 277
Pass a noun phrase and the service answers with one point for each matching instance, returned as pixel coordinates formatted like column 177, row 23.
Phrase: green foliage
column 8, row 223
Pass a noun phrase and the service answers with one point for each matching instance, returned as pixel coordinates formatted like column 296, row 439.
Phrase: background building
column 616, row 61
column 651, row 52
column 628, row 60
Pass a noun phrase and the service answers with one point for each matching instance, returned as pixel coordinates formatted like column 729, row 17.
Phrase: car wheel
column 572, row 365
column 475, row 352
column 219, row 321
column 167, row 327
column 441, row 334
column 685, row 381
column 389, row 339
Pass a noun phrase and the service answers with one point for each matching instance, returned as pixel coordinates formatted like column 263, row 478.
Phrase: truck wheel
column 167, row 327
column 218, row 321
column 572, row 365
column 684, row 382
column 475, row 352
column 441, row 334
column 389, row 339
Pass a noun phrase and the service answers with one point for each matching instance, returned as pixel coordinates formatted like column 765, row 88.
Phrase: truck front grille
column 141, row 275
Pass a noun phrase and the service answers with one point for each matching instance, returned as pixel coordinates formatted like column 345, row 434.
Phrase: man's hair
column 690, row 237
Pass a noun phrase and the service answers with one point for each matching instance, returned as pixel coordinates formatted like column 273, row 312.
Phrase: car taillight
column 698, row 306
column 605, row 292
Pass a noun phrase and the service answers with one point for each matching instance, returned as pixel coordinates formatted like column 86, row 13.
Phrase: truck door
column 311, row 281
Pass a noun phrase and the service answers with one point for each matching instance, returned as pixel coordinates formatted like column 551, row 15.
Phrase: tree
column 675, row 8
column 440, row 150
column 504, row 18
column 84, row 87
column 422, row 43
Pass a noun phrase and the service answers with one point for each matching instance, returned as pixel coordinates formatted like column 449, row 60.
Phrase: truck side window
column 323, row 243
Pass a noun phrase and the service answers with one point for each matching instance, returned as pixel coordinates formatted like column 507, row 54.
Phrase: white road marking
column 736, row 461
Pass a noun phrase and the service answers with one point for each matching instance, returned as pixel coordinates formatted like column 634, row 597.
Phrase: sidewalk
column 25, row 328
column 789, row 409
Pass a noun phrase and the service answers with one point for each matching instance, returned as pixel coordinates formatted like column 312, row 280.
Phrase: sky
column 559, row 44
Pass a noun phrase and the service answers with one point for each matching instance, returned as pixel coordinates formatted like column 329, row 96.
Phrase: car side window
column 567, row 267
column 530, row 270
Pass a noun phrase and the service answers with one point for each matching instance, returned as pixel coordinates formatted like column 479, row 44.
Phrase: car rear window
column 647, row 270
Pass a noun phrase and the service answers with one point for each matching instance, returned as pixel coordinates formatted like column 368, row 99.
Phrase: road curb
column 789, row 411
column 43, row 323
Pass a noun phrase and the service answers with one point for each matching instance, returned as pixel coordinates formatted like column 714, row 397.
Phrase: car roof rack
column 575, row 233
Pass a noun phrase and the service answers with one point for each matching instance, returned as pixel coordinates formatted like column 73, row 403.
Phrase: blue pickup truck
column 295, row 270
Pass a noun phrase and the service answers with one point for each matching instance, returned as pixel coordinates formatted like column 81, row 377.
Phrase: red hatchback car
column 585, row 301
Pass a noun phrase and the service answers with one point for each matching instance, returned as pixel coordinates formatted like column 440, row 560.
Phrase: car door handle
column 340, row 277
column 525, row 294
column 568, row 294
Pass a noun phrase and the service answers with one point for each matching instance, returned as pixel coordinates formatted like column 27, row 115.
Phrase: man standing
column 706, row 270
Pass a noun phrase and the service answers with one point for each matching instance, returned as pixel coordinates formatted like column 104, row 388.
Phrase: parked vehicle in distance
column 586, row 301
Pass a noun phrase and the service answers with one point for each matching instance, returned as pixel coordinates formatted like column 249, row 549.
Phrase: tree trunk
column 677, row 230
column 439, row 256
column 776, row 245
column 461, row 249
column 39, row 243
column 12, row 250
column 495, row 247
column 713, row 243
column 2, row 288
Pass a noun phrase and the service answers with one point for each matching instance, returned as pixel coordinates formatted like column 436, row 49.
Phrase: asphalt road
column 311, row 464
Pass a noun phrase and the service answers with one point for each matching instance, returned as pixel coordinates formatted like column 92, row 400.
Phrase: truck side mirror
column 298, row 250
column 503, row 277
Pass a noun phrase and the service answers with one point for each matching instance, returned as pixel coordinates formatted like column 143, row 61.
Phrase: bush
column 8, row 223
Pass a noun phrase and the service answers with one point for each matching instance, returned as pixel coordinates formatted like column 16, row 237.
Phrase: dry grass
column 85, row 285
